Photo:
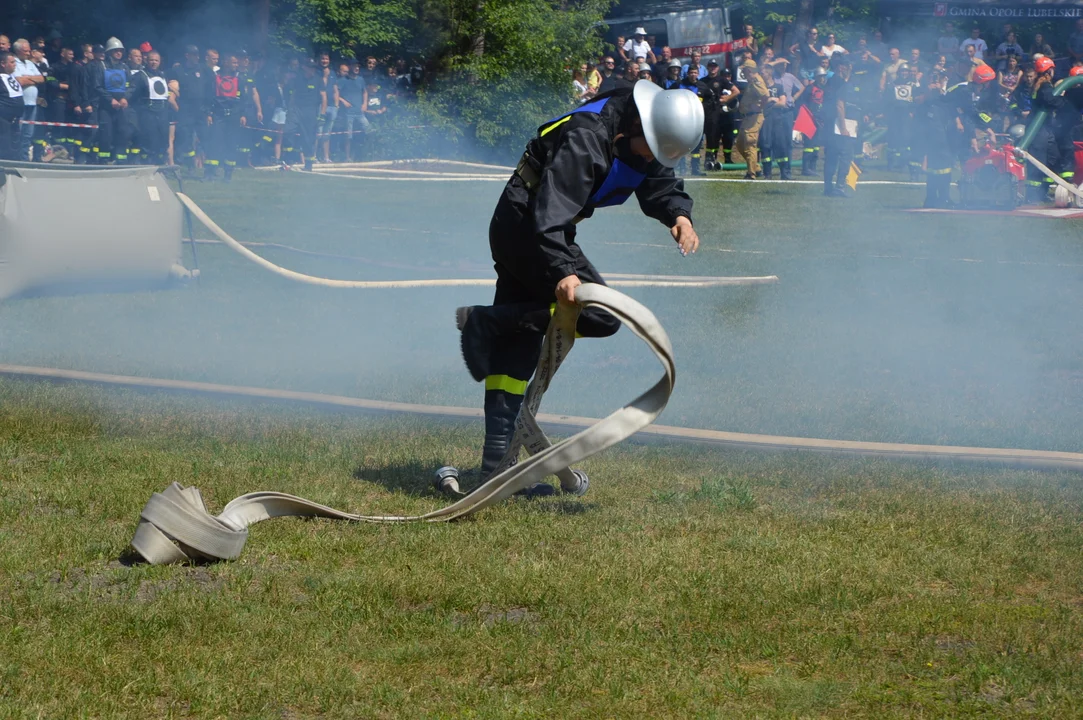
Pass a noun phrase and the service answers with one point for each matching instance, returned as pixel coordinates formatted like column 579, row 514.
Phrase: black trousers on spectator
column 185, row 137
column 223, row 140
column 114, row 134
column 10, row 140
column 838, row 155
column 153, row 134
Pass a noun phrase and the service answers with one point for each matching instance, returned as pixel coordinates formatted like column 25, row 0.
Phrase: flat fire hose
column 672, row 281
column 175, row 527
column 1072, row 189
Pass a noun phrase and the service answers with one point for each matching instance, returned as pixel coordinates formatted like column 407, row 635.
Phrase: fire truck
column 684, row 25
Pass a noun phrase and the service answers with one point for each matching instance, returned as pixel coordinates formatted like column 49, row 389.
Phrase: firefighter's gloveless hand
column 685, row 235
column 566, row 290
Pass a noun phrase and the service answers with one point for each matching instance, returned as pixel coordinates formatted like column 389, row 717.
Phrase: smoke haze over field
column 886, row 325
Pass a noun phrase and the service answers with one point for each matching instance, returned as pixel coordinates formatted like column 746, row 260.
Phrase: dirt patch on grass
column 112, row 583
column 490, row 616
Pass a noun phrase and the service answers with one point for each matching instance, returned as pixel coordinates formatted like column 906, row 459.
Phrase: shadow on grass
column 410, row 478
column 415, row 479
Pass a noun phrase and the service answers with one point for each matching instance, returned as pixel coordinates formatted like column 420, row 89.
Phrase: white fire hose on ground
column 175, row 526
column 623, row 280
column 1061, row 182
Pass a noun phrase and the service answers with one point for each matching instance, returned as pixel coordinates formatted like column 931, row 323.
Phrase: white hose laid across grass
column 175, row 526
column 670, row 281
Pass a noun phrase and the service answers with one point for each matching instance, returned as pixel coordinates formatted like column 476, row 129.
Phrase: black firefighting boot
column 813, row 161
column 501, row 409
column 712, row 161
column 766, row 166
column 208, row 173
column 695, row 165
column 227, row 174
column 784, row 170
column 481, row 325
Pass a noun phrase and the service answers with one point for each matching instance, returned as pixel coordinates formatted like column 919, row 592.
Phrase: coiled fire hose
column 175, row 526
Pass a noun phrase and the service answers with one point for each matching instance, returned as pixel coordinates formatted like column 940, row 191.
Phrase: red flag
column 804, row 123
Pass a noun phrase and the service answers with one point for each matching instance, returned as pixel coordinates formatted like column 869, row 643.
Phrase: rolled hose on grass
column 175, row 526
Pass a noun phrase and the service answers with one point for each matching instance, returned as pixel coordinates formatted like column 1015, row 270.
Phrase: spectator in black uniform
column 225, row 120
column 189, row 88
column 719, row 95
column 151, row 99
column 307, row 103
column 108, row 91
column 11, row 108
column 82, row 107
column 58, row 81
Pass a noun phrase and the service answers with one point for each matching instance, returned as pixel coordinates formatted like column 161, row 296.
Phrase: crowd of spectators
column 113, row 103
column 886, row 76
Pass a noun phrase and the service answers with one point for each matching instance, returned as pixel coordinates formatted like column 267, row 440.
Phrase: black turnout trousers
column 522, row 277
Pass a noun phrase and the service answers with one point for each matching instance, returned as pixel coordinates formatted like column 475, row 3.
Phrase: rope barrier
column 175, row 526
column 58, row 124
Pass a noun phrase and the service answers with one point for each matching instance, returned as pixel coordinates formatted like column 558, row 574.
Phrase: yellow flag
column 853, row 175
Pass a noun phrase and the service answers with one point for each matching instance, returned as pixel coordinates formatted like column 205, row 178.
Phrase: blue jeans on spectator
column 26, row 132
column 354, row 116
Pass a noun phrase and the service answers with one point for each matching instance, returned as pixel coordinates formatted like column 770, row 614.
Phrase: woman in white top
column 831, row 48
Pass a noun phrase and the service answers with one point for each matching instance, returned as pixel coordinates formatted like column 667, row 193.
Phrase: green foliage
column 502, row 67
column 342, row 25
column 499, row 85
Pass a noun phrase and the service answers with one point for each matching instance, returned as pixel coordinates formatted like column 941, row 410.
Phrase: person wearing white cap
column 621, row 144
column 639, row 47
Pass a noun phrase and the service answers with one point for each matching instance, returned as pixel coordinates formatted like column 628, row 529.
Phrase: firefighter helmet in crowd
column 983, row 74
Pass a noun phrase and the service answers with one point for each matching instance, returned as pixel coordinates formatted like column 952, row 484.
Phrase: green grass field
column 690, row 582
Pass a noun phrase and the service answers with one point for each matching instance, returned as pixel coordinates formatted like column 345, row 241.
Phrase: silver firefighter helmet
column 672, row 121
column 113, row 44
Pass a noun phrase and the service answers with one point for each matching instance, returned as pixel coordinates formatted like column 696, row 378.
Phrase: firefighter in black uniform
column 621, row 143
column 934, row 122
column 109, row 92
column 225, row 120
column 774, row 123
column 1065, row 122
column 11, row 108
column 1044, row 146
column 152, row 100
column 718, row 95
column 188, row 82
column 82, row 108
column 307, row 104
column 58, row 96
